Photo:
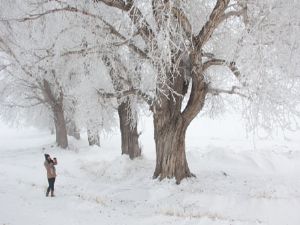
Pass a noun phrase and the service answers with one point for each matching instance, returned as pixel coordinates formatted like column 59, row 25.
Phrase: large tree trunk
column 93, row 136
column 73, row 130
column 129, row 133
column 171, row 122
column 56, row 104
column 60, row 126
column 169, row 135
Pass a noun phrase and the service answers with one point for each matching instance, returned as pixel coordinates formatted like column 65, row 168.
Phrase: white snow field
column 238, row 182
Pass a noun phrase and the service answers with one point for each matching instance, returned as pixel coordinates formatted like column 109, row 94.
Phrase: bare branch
column 207, row 54
column 40, row 100
column 217, row 91
column 119, row 94
column 222, row 62
column 13, row 105
column 122, row 94
column 198, row 91
column 213, row 62
column 232, row 13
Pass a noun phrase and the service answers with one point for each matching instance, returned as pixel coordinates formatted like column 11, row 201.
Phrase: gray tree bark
column 56, row 105
column 129, row 132
column 169, row 134
column 60, row 126
column 171, row 122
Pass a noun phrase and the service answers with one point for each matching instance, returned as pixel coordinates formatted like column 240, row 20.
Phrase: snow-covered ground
column 239, row 181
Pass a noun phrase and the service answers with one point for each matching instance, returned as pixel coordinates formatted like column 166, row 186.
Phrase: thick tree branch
column 212, row 23
column 217, row 16
column 213, row 62
column 47, row 93
column 232, row 13
column 222, row 62
column 198, row 92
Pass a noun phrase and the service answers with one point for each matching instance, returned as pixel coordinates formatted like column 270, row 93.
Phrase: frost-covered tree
column 199, row 49
column 77, row 66
column 188, row 54
column 40, row 60
column 30, row 84
column 123, row 79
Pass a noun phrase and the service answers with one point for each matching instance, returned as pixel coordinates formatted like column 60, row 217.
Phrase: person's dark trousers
column 51, row 182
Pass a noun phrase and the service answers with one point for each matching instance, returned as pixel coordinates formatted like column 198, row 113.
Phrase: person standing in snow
column 51, row 173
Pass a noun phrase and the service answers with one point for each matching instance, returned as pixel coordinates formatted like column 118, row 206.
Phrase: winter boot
column 47, row 193
column 52, row 194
